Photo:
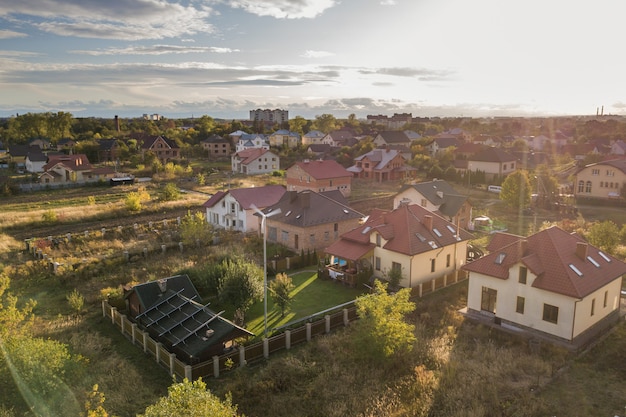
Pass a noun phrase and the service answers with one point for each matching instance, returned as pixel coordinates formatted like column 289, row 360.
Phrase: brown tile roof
column 551, row 254
column 250, row 155
column 409, row 229
column 308, row 208
column 77, row 162
column 319, row 169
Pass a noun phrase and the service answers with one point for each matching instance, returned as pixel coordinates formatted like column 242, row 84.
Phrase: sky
column 223, row 58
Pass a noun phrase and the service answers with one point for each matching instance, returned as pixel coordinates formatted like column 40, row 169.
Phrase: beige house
column 73, row 169
column 494, row 162
column 284, row 138
column 551, row 284
column 422, row 245
column 603, row 180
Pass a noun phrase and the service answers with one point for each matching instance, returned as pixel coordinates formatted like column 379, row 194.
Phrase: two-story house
column 494, row 162
column 234, row 209
column 439, row 197
column 319, row 176
column 216, row 146
column 255, row 161
column 552, row 284
column 418, row 243
column 381, row 165
column 165, row 149
column 603, row 180
column 313, row 137
column 308, row 221
column 73, row 169
column 284, row 138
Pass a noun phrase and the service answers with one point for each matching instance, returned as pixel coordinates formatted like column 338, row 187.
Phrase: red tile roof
column 551, row 255
column 323, row 169
column 250, row 155
column 409, row 229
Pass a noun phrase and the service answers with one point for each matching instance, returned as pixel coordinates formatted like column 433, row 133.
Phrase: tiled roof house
column 319, row 176
column 552, row 284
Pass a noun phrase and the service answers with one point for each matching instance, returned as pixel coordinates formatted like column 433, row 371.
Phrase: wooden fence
column 243, row 355
column 240, row 356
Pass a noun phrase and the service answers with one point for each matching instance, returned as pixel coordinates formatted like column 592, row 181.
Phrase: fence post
column 113, row 311
column 445, row 280
column 327, row 318
column 134, row 329
column 308, row 332
column 266, row 348
column 126, row 255
column 158, row 352
column 188, row 372
column 104, row 308
column 180, row 246
column 172, row 357
column 346, row 319
column 242, row 356
column 145, row 342
column 287, row 339
column 216, row 366
column 122, row 317
column 163, row 247
column 432, row 285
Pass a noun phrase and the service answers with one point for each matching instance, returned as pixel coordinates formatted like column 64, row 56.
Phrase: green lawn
column 309, row 296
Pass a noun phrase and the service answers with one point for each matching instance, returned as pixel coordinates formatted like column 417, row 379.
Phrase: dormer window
column 500, row 258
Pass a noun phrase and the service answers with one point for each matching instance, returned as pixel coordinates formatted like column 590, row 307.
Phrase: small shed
column 171, row 311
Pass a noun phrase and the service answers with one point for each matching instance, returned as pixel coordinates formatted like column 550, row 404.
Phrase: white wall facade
column 228, row 214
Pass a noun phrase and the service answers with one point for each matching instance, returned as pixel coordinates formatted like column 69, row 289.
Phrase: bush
column 49, row 216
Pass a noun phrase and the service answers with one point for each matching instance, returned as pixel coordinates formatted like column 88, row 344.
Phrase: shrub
column 49, row 216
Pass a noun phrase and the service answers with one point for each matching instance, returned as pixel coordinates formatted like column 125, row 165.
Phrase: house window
column 326, row 236
column 312, row 238
column 512, row 165
column 448, row 261
column 296, row 242
column 595, row 171
column 331, row 183
column 271, row 233
column 610, row 173
column 523, row 272
column 504, row 167
column 519, row 308
column 606, row 298
column 432, row 265
column 423, row 204
column 378, row 240
column 593, row 306
column 223, row 203
column 396, row 266
column 284, row 236
column 588, row 187
column 377, row 263
column 233, row 207
column 581, row 186
column 550, row 313
column 488, row 300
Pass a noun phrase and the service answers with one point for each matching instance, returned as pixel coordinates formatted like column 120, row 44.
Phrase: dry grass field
column 456, row 368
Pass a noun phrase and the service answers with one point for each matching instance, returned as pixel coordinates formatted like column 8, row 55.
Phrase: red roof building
column 319, row 176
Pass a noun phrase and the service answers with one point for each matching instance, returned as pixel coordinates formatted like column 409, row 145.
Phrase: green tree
column 281, row 288
column 297, row 124
column 604, row 235
column 241, row 286
column 76, row 301
column 171, row 192
column 325, row 123
column 516, row 190
column 194, row 228
column 94, row 405
column 14, row 320
column 191, row 399
column 382, row 329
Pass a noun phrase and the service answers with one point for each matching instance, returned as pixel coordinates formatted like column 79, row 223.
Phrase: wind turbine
column 264, row 231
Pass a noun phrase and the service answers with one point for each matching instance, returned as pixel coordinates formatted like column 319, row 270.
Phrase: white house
column 313, row 137
column 552, row 284
column 255, row 161
column 251, row 141
column 234, row 209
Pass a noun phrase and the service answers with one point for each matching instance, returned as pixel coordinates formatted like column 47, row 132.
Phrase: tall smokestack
column 117, row 123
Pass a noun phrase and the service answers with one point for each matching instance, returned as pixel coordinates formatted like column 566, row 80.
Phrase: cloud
column 421, row 73
column 316, row 54
column 284, row 9
column 10, row 34
column 156, row 50
column 111, row 19
column 388, row 2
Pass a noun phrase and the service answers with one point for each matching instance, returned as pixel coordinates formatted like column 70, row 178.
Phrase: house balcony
column 341, row 274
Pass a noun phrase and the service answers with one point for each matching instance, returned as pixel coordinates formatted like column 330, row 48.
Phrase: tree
column 191, row 399
column 171, row 192
column 325, row 123
column 134, row 200
column 297, row 124
column 280, row 288
column 604, row 235
column 516, row 190
column 382, row 330
column 194, row 228
column 94, row 405
column 241, row 285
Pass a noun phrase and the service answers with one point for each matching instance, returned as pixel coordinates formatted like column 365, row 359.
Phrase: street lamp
column 264, row 231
